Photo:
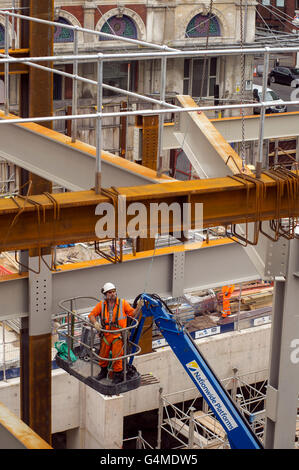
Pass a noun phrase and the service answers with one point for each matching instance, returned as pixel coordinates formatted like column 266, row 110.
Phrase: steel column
column 41, row 82
column 23, row 179
column 283, row 385
column 40, row 315
column 40, row 104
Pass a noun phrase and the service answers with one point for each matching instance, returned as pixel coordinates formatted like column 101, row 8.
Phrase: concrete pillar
column 76, row 438
column 104, row 420
column 73, row 438
column 89, row 8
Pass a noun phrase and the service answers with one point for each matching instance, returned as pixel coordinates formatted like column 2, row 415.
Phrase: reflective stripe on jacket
column 119, row 318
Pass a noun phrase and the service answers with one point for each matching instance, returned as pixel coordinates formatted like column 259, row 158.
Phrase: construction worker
column 226, row 292
column 112, row 313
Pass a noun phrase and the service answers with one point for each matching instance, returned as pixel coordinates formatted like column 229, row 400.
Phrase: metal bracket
column 178, row 274
column 277, row 254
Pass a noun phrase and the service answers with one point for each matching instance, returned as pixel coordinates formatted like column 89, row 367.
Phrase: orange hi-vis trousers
column 113, row 343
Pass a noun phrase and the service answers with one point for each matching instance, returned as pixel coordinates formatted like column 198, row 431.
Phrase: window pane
column 280, row 3
column 213, row 66
column 266, row 2
column 123, row 26
column 115, row 74
column 186, row 68
column 2, row 36
column 198, row 70
column 57, row 87
column 212, row 86
column 186, row 87
column 62, row 34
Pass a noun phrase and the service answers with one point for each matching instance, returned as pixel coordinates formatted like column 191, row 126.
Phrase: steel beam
column 70, row 217
column 15, row 434
column 15, row 68
column 71, row 165
column 205, row 143
column 276, row 126
column 208, row 151
column 204, row 267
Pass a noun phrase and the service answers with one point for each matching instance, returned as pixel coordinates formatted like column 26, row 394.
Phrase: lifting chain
column 115, row 258
column 243, row 150
column 286, row 187
column 206, row 58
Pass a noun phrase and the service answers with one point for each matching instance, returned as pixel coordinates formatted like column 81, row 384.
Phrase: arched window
column 62, row 34
column 120, row 26
column 2, row 36
column 198, row 27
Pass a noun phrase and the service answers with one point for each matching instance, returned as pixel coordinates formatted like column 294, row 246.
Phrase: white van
column 278, row 103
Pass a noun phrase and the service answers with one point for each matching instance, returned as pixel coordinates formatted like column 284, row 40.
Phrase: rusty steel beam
column 41, row 40
column 49, row 220
column 40, row 385
column 150, row 127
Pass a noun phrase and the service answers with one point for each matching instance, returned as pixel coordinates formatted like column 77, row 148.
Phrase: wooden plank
column 210, row 423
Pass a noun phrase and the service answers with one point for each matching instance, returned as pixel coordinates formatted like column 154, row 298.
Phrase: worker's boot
column 102, row 374
column 117, row 377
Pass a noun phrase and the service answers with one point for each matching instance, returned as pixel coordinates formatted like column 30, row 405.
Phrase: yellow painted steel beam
column 17, row 432
column 16, row 68
column 78, row 146
column 70, row 217
column 212, row 138
column 129, row 257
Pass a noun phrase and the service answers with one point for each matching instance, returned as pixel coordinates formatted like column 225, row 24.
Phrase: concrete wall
column 247, row 350
column 96, row 421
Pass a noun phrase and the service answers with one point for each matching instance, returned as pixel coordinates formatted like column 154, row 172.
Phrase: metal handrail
column 94, row 357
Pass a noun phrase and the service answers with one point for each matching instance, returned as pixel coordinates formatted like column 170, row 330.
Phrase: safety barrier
column 68, row 330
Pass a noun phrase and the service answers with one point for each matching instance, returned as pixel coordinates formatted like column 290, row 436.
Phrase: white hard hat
column 108, row 286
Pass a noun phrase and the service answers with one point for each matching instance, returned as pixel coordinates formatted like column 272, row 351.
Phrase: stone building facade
column 277, row 14
column 185, row 25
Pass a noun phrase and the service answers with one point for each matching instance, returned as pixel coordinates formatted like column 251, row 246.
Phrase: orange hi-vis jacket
column 121, row 310
column 112, row 341
column 227, row 292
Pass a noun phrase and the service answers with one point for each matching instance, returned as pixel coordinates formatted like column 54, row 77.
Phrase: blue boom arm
column 238, row 431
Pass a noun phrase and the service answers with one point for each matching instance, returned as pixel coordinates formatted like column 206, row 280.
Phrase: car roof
column 259, row 87
column 285, row 67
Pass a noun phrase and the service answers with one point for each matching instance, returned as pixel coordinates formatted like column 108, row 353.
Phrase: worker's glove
column 97, row 326
column 140, row 303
